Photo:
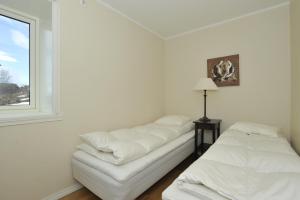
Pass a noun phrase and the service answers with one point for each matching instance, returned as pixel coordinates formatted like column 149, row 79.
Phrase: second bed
column 248, row 162
column 128, row 181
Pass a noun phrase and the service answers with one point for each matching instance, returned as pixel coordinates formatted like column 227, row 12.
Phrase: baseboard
column 63, row 192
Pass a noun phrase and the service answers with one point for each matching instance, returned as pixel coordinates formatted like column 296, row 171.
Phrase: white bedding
column 125, row 145
column 188, row 192
column 124, row 172
column 108, row 188
column 241, row 166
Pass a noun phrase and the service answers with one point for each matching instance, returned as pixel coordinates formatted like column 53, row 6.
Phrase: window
column 29, row 62
column 17, row 61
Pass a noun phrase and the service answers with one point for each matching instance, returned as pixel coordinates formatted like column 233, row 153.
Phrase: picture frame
column 224, row 71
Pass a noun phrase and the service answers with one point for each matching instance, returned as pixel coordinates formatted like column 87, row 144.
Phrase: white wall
column 295, row 43
column 112, row 77
column 264, row 93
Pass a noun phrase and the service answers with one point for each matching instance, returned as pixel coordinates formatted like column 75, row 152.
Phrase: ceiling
column 168, row 18
column 37, row 8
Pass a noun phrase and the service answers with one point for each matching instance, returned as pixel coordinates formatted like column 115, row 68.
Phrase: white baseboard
column 64, row 192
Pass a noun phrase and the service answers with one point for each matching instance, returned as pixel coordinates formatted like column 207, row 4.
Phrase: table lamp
column 205, row 84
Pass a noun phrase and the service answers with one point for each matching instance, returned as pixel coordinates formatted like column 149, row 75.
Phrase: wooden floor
column 153, row 193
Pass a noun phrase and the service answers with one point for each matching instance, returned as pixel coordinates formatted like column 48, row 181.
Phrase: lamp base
column 204, row 119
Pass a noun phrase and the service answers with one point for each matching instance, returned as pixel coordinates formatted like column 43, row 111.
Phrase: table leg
column 202, row 141
column 196, row 142
column 202, row 137
column 214, row 135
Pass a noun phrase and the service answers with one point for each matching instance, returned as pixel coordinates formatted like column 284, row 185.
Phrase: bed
column 174, row 193
column 248, row 162
column 127, row 181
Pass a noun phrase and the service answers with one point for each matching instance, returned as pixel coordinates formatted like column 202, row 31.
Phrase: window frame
column 39, row 115
column 33, row 59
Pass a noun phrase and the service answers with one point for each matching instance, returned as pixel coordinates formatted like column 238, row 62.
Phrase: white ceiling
column 37, row 8
column 172, row 17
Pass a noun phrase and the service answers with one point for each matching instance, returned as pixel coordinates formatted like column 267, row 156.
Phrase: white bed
column 174, row 193
column 248, row 162
column 128, row 181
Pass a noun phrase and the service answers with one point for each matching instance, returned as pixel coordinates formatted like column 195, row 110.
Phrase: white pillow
column 178, row 120
column 99, row 140
column 255, row 128
column 187, row 127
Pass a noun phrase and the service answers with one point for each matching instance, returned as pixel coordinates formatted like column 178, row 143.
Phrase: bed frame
column 108, row 188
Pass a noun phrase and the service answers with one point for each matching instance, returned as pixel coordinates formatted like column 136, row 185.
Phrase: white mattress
column 241, row 165
column 128, row 181
column 126, row 171
column 174, row 193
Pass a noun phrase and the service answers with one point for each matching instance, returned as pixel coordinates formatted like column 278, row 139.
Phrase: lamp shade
column 205, row 84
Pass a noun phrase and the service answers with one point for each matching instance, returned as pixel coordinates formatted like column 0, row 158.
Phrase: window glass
column 14, row 62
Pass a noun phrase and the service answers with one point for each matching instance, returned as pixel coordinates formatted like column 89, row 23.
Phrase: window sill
column 28, row 118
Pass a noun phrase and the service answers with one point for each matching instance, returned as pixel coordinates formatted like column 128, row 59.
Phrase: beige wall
column 111, row 77
column 295, row 42
column 264, row 94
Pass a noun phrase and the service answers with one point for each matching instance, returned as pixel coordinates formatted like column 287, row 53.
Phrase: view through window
column 14, row 62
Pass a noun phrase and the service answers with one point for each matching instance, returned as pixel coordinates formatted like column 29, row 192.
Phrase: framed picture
column 224, row 71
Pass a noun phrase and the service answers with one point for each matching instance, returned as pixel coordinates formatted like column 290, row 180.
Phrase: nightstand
column 213, row 126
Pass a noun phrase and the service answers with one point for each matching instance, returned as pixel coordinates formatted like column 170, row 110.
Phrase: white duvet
column 241, row 166
column 125, row 145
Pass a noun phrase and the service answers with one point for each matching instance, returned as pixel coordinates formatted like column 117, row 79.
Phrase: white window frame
column 33, row 58
column 14, row 115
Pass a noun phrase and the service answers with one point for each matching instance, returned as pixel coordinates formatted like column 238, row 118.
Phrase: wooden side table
column 213, row 126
